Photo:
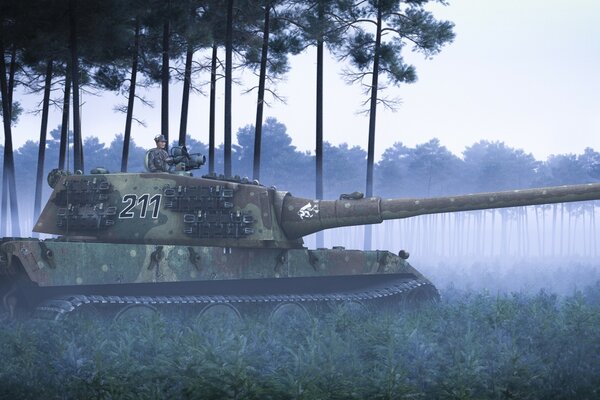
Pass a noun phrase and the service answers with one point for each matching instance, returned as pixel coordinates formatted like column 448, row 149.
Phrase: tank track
column 57, row 308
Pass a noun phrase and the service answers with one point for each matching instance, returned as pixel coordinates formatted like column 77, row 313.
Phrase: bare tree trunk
column 9, row 166
column 544, row 238
column 482, row 238
column 11, row 77
column 4, row 194
column 569, row 231
column 537, row 231
column 261, row 93
column 562, row 228
column 64, row 129
column 228, row 78
column 593, row 233
column 584, row 246
column 185, row 98
column 554, row 223
column 502, row 223
column 212, row 111
column 131, row 97
column 164, row 113
column 42, row 149
column 526, row 246
column 493, row 232
column 372, row 121
column 442, row 218
column 319, row 117
column 77, row 138
column 4, row 203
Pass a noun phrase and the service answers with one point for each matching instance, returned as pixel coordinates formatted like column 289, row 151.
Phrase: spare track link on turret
column 57, row 308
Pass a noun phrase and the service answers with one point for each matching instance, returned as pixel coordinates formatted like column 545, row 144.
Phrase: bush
column 470, row 345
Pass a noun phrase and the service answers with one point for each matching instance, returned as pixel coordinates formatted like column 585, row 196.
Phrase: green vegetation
column 469, row 346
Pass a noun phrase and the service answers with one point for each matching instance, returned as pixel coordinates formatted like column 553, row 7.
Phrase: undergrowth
column 468, row 346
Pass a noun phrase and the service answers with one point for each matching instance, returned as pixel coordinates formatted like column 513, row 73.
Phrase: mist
column 550, row 247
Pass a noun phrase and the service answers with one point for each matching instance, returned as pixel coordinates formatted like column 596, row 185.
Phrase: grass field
column 471, row 345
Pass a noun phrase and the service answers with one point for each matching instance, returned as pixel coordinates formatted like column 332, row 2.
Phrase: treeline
column 428, row 169
column 61, row 48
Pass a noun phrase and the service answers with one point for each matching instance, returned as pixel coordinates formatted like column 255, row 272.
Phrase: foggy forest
column 476, row 244
column 515, row 304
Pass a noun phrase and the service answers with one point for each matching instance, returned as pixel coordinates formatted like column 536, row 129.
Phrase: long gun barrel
column 301, row 217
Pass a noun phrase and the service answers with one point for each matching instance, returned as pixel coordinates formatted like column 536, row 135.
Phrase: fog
column 552, row 247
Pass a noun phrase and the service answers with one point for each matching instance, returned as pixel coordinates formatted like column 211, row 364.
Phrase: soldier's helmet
column 160, row 138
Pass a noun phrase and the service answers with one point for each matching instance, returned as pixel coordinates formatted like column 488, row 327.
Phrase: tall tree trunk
column 537, row 231
column 131, row 97
column 212, row 111
column 372, row 120
column 77, row 139
column 562, row 229
column 8, row 166
column 4, row 199
column 11, row 84
column 554, row 223
column 319, row 121
column 228, row 77
column 42, row 149
column 261, row 93
column 11, row 77
column 64, row 129
column 185, row 98
column 593, row 230
column 164, row 120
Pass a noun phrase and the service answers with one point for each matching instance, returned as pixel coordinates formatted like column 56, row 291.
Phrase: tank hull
column 53, row 278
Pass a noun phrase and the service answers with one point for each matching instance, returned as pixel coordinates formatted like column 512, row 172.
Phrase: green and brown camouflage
column 58, row 263
column 174, row 209
column 126, row 238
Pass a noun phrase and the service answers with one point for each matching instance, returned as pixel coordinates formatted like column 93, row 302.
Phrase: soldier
column 158, row 158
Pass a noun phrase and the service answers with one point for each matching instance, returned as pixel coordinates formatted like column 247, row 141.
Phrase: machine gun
column 185, row 161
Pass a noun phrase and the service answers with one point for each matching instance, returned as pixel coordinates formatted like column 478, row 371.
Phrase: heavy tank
column 160, row 241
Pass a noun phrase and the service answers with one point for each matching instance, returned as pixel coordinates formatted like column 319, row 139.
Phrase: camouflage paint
column 158, row 227
column 297, row 221
column 56, row 263
column 118, row 198
column 161, row 208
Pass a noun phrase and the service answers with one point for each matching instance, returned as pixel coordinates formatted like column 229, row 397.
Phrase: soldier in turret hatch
column 158, row 158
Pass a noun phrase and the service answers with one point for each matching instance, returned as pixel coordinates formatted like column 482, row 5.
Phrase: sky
column 523, row 72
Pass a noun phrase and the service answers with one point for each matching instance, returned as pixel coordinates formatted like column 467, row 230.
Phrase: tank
column 163, row 241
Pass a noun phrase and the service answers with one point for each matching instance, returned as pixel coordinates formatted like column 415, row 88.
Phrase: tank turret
column 178, row 209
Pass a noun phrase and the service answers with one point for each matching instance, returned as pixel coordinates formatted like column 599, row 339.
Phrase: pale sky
column 524, row 72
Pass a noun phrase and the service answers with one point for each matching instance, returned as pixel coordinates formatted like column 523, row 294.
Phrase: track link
column 57, row 308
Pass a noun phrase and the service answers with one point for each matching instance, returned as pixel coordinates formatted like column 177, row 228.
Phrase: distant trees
column 427, row 169
column 62, row 49
column 494, row 166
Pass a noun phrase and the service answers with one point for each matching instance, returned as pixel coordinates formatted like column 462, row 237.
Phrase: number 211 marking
column 145, row 200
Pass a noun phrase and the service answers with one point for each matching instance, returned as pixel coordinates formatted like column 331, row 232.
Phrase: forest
column 520, row 295
column 57, row 50
column 426, row 170
column 63, row 48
